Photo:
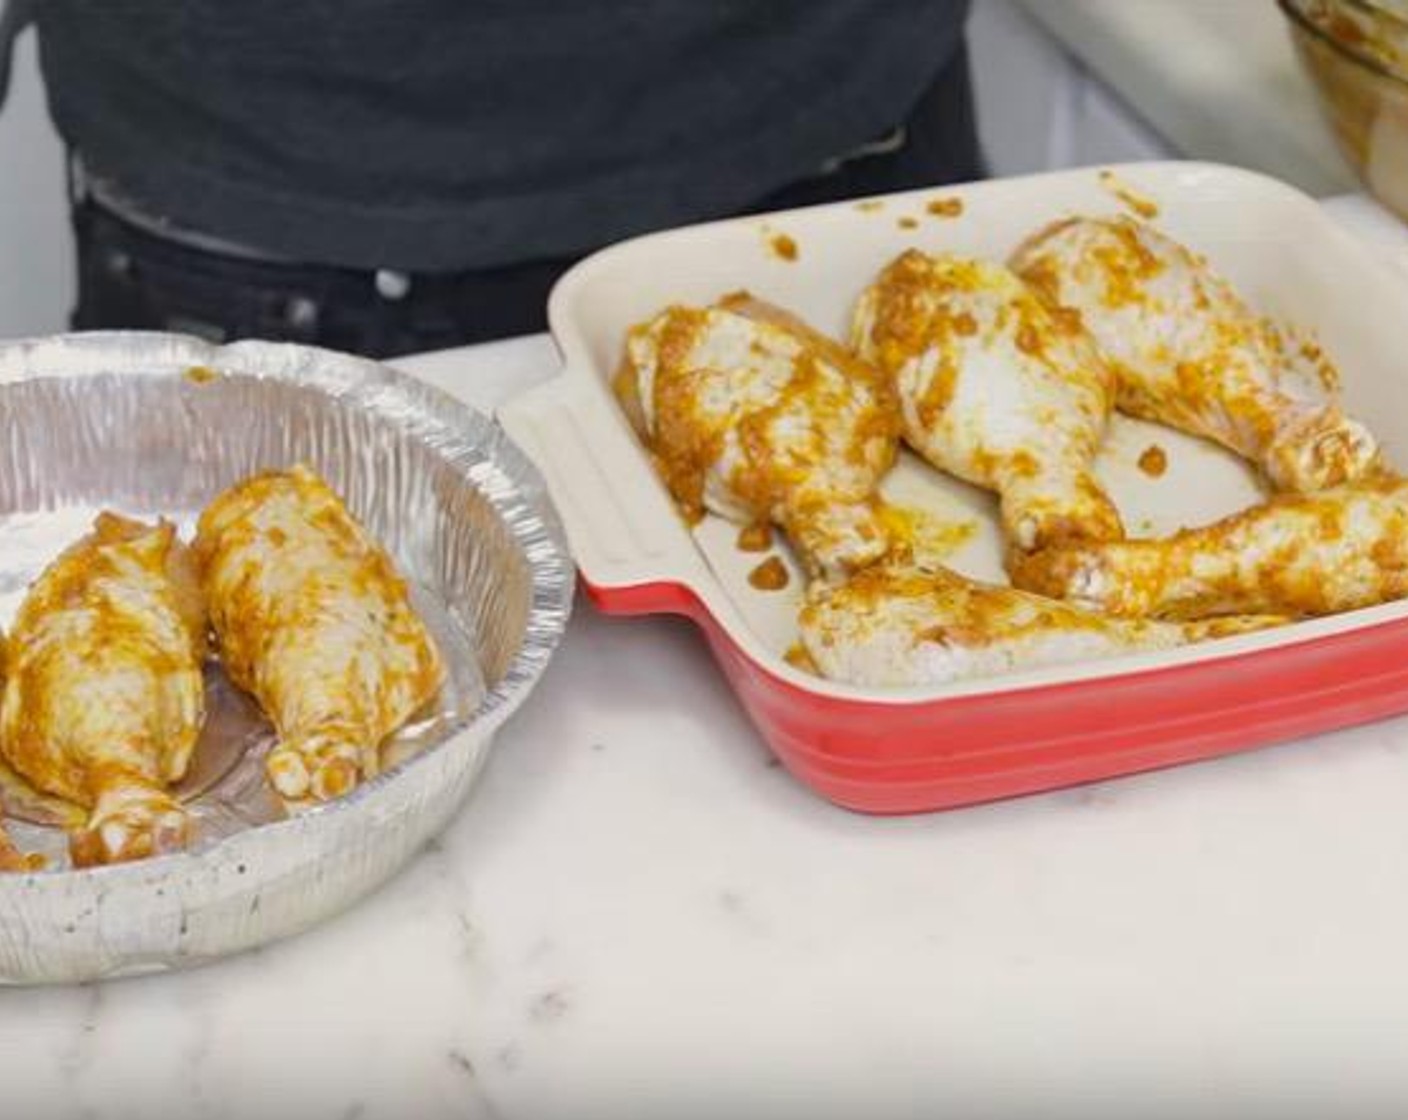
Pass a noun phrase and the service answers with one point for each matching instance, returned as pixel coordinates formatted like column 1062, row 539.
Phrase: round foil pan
column 156, row 425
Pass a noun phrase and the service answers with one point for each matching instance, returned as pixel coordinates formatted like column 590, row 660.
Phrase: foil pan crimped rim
column 469, row 442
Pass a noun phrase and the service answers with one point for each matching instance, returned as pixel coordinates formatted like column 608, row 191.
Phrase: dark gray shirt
column 449, row 134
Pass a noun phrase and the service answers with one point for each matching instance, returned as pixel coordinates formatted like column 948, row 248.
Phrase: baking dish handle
column 634, row 552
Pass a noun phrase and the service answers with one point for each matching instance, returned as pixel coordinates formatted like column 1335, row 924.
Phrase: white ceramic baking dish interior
column 1286, row 256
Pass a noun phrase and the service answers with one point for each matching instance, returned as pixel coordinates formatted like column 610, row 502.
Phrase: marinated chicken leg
column 994, row 389
column 890, row 626
column 11, row 858
column 755, row 416
column 1297, row 554
column 313, row 620
column 1189, row 353
column 103, row 697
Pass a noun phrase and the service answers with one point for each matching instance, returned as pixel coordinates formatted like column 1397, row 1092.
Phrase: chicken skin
column 1296, row 554
column 891, row 626
column 756, row 417
column 314, row 622
column 1189, row 353
column 11, row 858
column 103, row 698
column 995, row 389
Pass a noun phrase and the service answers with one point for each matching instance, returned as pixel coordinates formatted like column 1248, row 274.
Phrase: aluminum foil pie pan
column 154, row 424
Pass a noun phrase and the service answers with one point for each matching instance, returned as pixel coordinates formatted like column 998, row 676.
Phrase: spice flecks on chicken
column 891, row 626
column 1296, row 554
column 754, row 416
column 1188, row 352
column 995, row 389
column 103, row 698
column 313, row 620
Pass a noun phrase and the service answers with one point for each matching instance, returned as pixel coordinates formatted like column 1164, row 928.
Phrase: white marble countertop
column 638, row 915
column 1217, row 78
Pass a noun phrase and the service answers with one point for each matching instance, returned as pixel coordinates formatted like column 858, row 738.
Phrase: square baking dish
column 907, row 750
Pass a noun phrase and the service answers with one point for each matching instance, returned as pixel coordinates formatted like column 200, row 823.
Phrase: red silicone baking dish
column 907, row 750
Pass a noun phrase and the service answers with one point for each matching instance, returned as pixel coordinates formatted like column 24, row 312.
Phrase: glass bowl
column 1356, row 55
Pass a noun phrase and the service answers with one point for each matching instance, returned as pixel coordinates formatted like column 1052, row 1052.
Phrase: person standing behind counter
column 390, row 176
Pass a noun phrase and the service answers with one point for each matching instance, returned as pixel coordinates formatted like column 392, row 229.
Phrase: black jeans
column 129, row 277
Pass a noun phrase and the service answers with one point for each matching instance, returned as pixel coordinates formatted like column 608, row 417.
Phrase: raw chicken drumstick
column 103, row 697
column 755, row 416
column 1189, row 353
column 890, row 626
column 313, row 620
column 11, row 858
column 1297, row 554
column 994, row 389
